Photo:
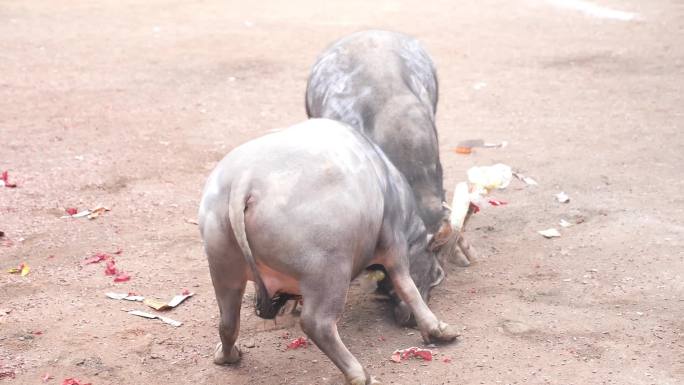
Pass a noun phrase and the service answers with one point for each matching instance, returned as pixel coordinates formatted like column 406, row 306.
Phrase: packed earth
column 122, row 108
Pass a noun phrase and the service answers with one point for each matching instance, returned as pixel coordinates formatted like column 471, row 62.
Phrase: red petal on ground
column 185, row 292
column 71, row 210
column 122, row 277
column 496, row 202
column 297, row 343
column 99, row 257
column 110, row 269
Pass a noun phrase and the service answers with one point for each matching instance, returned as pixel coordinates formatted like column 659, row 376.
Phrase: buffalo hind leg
column 229, row 286
column 324, row 299
column 432, row 329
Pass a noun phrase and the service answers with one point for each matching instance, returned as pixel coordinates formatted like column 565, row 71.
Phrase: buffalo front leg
column 432, row 329
column 324, row 299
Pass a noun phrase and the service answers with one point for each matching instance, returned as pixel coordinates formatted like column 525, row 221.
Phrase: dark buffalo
column 384, row 84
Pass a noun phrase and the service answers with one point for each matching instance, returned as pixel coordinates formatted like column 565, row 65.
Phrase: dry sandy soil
column 131, row 104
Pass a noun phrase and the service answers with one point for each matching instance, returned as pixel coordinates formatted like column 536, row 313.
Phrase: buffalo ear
column 441, row 237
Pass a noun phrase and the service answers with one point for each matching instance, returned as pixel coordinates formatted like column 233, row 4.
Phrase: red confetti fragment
column 47, row 377
column 122, row 277
column 474, row 208
column 73, row 381
column 297, row 343
column 446, row 360
column 99, row 257
column 185, row 292
column 71, row 210
column 404, row 354
column 7, row 374
column 5, row 178
column 37, row 333
column 110, row 269
column 496, row 202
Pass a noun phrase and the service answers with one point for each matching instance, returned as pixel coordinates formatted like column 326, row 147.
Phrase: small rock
column 250, row 343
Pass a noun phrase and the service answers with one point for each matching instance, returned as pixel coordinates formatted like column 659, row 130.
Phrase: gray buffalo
column 302, row 212
column 384, row 84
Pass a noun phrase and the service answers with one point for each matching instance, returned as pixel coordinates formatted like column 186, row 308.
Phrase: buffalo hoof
column 221, row 358
column 364, row 381
column 443, row 333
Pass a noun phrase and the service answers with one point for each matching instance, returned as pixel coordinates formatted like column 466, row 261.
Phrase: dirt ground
column 131, row 104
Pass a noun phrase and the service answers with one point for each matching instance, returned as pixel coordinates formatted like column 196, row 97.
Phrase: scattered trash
column 550, row 233
column 96, row 258
column 122, row 277
column 526, row 179
column 185, row 292
column 466, row 146
column 564, row 223
column 488, row 178
column 297, row 343
column 175, row 301
column 71, row 211
column 73, row 381
column 4, row 180
column 89, row 213
column 446, row 360
column 496, row 202
column 47, row 377
column 479, row 85
column 153, row 316
column 562, row 197
column 23, row 269
column 404, row 354
column 97, row 211
column 126, row 296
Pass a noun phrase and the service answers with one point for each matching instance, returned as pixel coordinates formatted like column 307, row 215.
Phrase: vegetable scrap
column 23, row 269
column 4, row 180
column 153, row 316
column 297, row 343
column 488, row 178
column 463, row 150
column 175, row 301
column 550, row 233
column 404, row 354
